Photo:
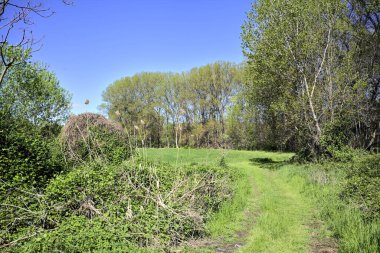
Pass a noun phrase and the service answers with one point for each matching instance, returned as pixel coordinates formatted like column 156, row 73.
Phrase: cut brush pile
column 118, row 208
column 90, row 136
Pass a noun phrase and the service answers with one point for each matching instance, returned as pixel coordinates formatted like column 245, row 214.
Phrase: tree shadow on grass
column 268, row 163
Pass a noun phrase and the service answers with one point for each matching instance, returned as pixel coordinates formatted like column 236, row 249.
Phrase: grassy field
column 268, row 212
column 210, row 156
column 278, row 206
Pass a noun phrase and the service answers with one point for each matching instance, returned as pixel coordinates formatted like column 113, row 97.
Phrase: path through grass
column 285, row 214
column 268, row 210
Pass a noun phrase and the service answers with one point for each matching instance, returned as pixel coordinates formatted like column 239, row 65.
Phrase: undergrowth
column 115, row 208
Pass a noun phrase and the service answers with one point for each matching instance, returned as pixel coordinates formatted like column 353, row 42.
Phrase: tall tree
column 301, row 72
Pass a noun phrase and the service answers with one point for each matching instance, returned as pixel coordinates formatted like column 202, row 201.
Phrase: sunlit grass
column 277, row 221
column 183, row 156
column 283, row 200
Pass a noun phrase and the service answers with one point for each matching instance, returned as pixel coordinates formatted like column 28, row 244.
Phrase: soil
column 321, row 245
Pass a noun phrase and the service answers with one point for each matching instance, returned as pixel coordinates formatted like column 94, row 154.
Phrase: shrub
column 362, row 187
column 27, row 158
column 116, row 208
column 89, row 136
column 79, row 234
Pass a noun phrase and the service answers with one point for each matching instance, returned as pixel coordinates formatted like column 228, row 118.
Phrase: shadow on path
column 268, row 163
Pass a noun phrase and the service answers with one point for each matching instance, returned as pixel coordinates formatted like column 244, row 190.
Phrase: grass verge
column 343, row 219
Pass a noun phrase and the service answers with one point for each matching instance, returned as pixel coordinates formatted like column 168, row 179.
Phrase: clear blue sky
column 93, row 43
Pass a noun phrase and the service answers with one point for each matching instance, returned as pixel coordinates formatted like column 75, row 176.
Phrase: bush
column 115, row 208
column 362, row 187
column 27, row 158
column 79, row 234
column 90, row 136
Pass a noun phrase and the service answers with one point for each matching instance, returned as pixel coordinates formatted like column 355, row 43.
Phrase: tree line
column 176, row 109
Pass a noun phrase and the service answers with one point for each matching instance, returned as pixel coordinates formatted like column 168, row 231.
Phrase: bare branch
column 19, row 239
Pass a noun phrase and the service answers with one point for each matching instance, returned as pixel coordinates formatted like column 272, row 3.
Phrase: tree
column 178, row 109
column 365, row 20
column 173, row 102
column 211, row 88
column 32, row 109
column 133, row 102
column 16, row 40
column 32, row 93
column 301, row 74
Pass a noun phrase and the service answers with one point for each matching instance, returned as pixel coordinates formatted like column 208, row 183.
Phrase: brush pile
column 134, row 206
column 90, row 136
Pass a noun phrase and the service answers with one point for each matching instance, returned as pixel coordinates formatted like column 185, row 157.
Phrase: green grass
column 283, row 223
column 283, row 200
column 209, row 156
column 344, row 221
column 230, row 219
column 277, row 221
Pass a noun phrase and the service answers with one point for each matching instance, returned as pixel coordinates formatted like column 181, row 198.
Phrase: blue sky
column 93, row 43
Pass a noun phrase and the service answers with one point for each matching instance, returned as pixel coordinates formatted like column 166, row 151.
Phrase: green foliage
column 31, row 92
column 241, row 132
column 175, row 109
column 312, row 88
column 98, row 207
column 78, row 234
column 26, row 158
column 362, row 187
column 32, row 106
column 335, row 135
column 345, row 154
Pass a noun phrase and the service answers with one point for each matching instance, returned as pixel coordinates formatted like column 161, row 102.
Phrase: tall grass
column 323, row 184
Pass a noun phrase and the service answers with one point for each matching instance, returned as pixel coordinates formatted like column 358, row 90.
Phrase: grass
column 283, row 225
column 344, row 221
column 184, row 156
column 229, row 221
column 276, row 204
column 278, row 211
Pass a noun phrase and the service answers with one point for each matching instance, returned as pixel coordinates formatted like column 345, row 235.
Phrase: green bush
column 362, row 187
column 27, row 158
column 78, row 234
column 100, row 207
